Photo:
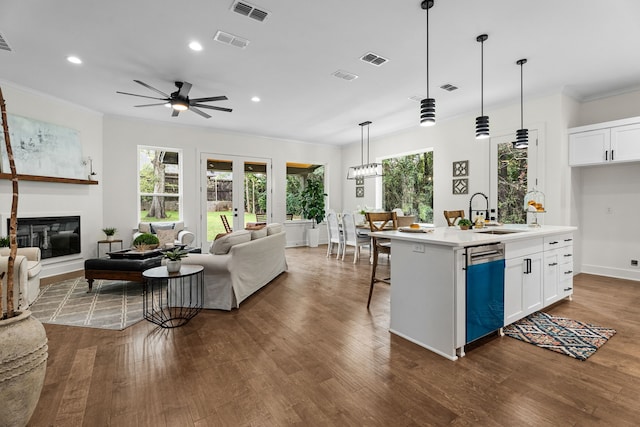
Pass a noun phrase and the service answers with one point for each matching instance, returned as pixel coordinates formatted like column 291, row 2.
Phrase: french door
column 238, row 188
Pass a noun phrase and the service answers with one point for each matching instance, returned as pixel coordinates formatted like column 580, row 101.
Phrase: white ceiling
column 587, row 48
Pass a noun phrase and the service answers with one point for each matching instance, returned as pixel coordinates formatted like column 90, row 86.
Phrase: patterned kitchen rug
column 559, row 334
column 112, row 304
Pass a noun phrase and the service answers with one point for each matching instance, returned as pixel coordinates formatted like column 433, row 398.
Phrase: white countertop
column 454, row 237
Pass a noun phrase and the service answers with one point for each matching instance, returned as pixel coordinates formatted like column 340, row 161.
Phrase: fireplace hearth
column 55, row 235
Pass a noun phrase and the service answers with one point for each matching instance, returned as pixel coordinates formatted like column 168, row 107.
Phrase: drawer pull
column 568, row 272
column 553, row 243
column 568, row 240
column 552, row 264
column 567, row 255
column 567, row 289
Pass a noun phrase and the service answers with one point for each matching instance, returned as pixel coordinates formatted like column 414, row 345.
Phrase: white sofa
column 167, row 232
column 240, row 263
column 27, row 269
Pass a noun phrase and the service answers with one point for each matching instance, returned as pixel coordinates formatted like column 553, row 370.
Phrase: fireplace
column 54, row 235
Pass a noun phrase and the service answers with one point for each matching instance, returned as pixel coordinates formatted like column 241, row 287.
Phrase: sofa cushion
column 144, row 227
column 256, row 234
column 222, row 245
column 155, row 226
column 33, row 268
column 274, row 228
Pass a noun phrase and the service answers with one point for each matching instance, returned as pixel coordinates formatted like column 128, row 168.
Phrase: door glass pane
column 512, row 183
column 219, row 196
column 255, row 192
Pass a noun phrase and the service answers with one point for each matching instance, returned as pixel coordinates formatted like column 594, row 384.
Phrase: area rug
column 559, row 334
column 112, row 304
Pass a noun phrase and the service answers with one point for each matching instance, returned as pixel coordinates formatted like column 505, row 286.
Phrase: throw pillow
column 160, row 226
column 256, row 234
column 178, row 226
column 166, row 236
column 222, row 245
column 144, row 227
column 274, row 228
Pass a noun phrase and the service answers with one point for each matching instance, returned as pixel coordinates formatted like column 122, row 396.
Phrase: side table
column 109, row 242
column 172, row 299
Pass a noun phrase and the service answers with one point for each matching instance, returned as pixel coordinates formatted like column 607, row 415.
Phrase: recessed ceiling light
column 255, row 99
column 74, row 60
column 195, row 46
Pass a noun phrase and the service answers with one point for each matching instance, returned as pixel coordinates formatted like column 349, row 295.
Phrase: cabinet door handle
column 567, row 255
column 552, row 264
column 568, row 272
column 606, row 155
column 527, row 266
column 611, row 154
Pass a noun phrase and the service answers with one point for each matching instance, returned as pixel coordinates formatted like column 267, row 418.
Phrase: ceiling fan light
column 179, row 105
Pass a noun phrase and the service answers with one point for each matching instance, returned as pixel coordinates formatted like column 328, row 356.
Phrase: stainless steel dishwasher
column 484, row 290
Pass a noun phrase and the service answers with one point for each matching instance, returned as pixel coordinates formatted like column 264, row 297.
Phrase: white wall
column 123, row 135
column 608, row 242
column 49, row 198
column 454, row 140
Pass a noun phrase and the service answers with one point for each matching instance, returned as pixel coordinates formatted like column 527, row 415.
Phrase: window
column 159, row 184
column 408, row 184
column 298, row 174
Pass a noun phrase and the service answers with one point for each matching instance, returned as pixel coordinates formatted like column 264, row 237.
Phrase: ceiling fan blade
column 152, row 88
column 202, row 113
column 150, row 105
column 184, row 90
column 210, row 99
column 175, row 113
column 142, row 96
column 211, row 107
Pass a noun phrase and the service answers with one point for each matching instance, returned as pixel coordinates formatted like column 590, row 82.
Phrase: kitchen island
column 428, row 276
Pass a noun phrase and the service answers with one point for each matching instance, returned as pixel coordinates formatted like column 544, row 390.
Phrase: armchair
column 27, row 273
column 167, row 232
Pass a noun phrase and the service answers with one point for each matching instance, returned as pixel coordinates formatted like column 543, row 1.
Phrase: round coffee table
column 172, row 299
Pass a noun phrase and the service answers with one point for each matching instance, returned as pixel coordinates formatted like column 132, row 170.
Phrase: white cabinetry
column 558, row 267
column 522, row 279
column 610, row 142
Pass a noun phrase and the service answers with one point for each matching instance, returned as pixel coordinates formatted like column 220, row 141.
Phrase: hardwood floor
column 305, row 351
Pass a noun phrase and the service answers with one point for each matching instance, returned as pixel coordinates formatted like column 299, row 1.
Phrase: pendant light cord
column 427, row 48
column 361, row 145
column 521, row 98
column 482, row 78
column 368, row 161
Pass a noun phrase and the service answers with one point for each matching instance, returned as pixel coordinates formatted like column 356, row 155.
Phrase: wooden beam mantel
column 49, row 179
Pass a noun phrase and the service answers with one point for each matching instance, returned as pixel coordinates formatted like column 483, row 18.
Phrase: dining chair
column 380, row 221
column 352, row 238
column 453, row 216
column 335, row 234
column 225, row 223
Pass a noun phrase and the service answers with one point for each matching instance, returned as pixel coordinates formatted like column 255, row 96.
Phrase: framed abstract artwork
column 360, row 181
column 461, row 186
column 461, row 168
column 359, row 191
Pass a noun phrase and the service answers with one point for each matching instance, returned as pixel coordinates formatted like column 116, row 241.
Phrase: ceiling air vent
column 449, row 87
column 246, row 9
column 3, row 44
column 416, row 98
column 230, row 39
column 374, row 59
column 344, row 75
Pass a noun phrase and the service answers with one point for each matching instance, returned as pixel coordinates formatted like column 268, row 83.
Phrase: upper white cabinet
column 610, row 142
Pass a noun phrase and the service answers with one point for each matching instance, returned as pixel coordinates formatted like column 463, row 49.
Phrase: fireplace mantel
column 49, row 179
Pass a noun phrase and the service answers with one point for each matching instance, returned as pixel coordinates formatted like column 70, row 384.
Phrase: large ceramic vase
column 313, row 237
column 23, row 364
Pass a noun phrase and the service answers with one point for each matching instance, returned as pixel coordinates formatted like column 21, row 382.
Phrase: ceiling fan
column 179, row 100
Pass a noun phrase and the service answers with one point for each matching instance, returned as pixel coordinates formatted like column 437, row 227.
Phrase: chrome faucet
column 486, row 214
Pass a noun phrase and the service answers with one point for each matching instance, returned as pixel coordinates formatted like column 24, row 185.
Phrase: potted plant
column 145, row 241
column 4, row 242
column 110, row 232
column 313, row 207
column 23, row 353
column 174, row 259
column 464, row 224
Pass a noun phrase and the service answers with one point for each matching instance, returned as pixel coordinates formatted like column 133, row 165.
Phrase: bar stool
column 380, row 221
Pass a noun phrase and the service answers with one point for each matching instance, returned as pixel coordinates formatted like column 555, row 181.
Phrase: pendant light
column 522, row 134
column 482, row 122
column 427, row 105
column 364, row 170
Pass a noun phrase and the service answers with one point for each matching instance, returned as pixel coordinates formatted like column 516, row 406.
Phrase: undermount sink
column 499, row 231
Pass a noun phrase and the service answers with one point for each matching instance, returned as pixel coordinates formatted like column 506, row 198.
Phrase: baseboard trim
column 61, row 277
column 617, row 273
